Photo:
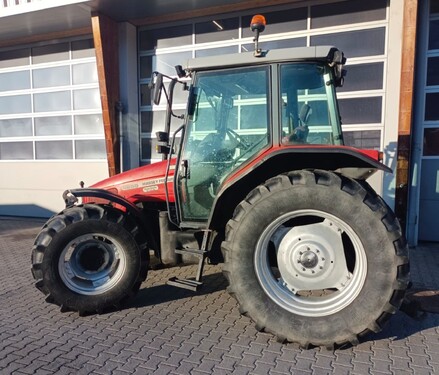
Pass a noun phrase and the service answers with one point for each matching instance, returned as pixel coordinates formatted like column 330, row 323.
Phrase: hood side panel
column 143, row 184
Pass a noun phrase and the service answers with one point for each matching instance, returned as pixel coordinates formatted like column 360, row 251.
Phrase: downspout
column 119, row 109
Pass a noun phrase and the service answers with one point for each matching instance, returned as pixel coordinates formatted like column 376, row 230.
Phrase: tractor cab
column 244, row 105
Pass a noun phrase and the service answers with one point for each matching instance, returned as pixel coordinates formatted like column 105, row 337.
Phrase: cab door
column 230, row 124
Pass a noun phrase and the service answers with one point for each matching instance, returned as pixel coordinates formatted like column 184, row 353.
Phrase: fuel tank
column 143, row 184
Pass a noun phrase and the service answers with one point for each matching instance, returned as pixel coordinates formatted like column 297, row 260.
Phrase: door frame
column 418, row 122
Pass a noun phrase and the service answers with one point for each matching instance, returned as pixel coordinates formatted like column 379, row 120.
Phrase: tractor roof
column 271, row 56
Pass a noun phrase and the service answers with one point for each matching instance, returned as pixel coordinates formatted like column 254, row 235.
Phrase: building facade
column 75, row 104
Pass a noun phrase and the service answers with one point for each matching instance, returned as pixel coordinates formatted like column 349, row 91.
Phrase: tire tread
column 348, row 186
column 76, row 214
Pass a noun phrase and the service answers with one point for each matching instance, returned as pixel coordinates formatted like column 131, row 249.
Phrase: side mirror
column 157, row 89
column 162, row 137
column 340, row 81
column 180, row 71
column 163, row 143
column 192, row 100
column 336, row 60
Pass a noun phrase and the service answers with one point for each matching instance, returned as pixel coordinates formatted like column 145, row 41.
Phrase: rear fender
column 344, row 160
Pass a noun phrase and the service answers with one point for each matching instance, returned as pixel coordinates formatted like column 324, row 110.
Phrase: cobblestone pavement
column 171, row 331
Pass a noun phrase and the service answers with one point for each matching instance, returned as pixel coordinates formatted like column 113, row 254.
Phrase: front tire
column 316, row 258
column 89, row 258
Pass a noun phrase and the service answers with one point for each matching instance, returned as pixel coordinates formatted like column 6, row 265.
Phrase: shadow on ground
column 163, row 293
column 402, row 326
column 19, row 228
column 399, row 327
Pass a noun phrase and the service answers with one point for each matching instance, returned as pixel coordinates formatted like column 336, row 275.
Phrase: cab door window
column 229, row 125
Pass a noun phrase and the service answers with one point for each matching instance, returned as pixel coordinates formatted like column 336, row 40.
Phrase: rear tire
column 316, row 258
column 89, row 259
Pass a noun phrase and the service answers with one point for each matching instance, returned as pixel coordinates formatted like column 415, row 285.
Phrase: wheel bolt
column 303, row 269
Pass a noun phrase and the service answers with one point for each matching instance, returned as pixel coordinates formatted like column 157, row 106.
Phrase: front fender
column 107, row 196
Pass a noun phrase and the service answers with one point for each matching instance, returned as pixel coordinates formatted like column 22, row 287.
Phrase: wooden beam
column 105, row 35
column 406, row 109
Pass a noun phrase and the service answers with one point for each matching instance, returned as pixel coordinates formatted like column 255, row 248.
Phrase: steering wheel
column 212, row 150
column 240, row 142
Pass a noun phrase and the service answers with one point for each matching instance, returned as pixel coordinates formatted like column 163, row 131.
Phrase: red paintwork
column 373, row 154
column 142, row 184
column 146, row 184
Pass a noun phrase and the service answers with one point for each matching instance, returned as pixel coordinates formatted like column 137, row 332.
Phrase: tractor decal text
column 152, row 184
column 150, row 188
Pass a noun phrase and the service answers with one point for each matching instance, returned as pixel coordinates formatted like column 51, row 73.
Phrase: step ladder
column 201, row 254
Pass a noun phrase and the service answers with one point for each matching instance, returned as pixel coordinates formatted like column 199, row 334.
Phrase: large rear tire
column 89, row 259
column 316, row 258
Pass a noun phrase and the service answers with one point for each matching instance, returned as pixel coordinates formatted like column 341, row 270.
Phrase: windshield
column 309, row 109
column 229, row 124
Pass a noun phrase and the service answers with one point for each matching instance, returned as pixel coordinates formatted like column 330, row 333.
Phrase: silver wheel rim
column 92, row 264
column 301, row 263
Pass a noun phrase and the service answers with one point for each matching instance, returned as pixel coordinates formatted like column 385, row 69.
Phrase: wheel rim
column 92, row 264
column 310, row 263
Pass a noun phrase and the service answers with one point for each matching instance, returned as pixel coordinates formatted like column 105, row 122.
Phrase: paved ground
column 171, row 331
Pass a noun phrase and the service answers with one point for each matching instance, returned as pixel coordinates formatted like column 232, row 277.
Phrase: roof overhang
column 53, row 19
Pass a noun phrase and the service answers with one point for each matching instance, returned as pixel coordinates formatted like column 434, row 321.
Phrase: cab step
column 189, row 284
column 192, row 284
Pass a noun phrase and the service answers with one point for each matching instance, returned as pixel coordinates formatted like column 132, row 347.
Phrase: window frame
column 78, row 55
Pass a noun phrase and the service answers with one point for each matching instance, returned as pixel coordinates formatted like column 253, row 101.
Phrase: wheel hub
column 92, row 264
column 93, row 258
column 311, row 257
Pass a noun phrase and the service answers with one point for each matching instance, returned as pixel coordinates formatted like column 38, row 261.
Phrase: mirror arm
column 169, row 113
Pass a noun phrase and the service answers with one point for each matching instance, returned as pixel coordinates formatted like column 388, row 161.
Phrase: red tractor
column 257, row 177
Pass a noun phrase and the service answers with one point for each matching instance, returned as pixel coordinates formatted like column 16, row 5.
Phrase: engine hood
column 145, row 183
